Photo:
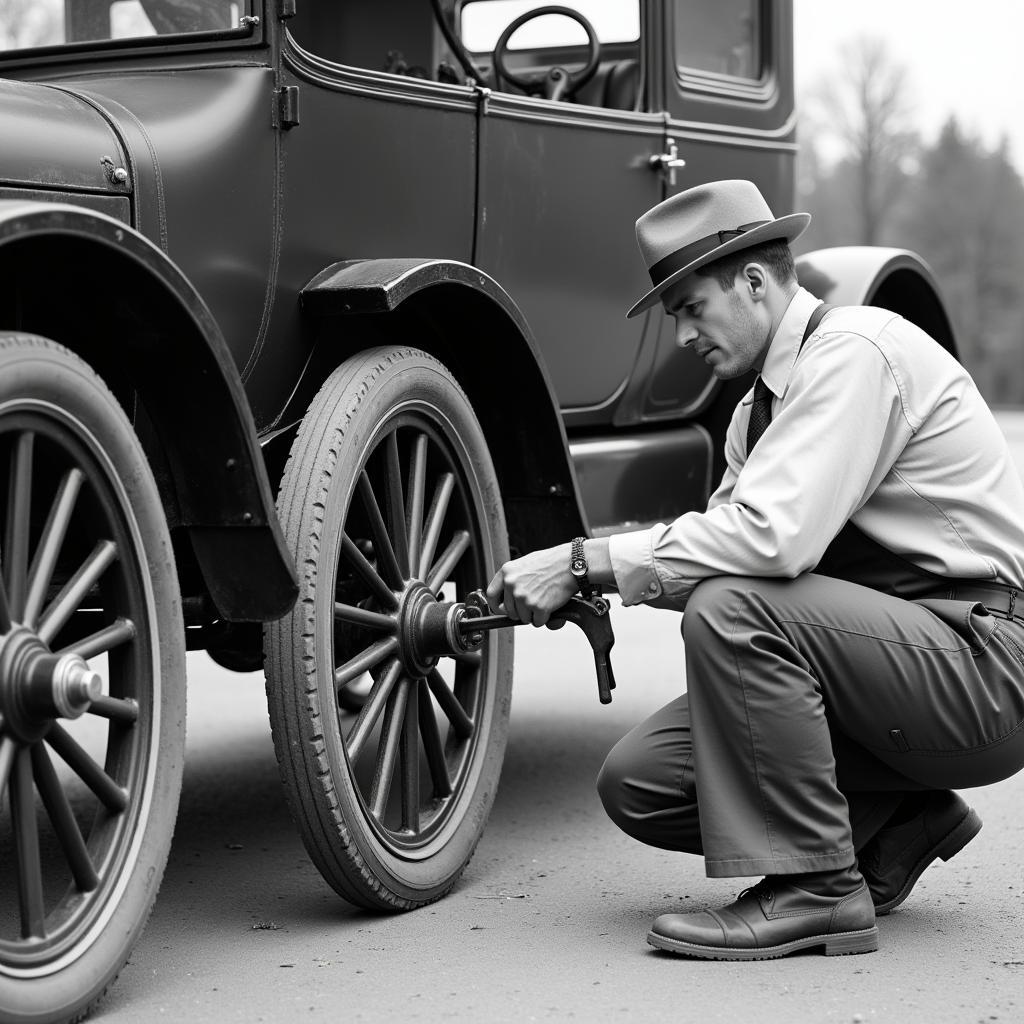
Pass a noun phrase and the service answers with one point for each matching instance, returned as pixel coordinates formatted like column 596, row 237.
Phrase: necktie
column 760, row 414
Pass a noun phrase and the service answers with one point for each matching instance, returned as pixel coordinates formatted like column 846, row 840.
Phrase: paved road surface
column 550, row 918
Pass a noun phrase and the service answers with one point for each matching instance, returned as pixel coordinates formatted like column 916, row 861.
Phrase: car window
column 555, row 41
column 31, row 23
column 722, row 37
column 483, row 21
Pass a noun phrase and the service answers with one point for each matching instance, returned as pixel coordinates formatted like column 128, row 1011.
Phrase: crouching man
column 854, row 644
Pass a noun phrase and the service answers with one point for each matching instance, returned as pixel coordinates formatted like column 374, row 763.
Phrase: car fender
column 895, row 279
column 104, row 291
column 467, row 320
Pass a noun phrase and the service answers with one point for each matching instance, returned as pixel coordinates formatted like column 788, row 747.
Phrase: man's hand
column 532, row 587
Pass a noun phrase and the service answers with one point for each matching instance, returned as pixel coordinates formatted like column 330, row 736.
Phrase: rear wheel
column 389, row 501
column 92, row 685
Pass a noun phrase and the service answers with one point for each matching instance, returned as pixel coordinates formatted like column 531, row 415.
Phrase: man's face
column 727, row 329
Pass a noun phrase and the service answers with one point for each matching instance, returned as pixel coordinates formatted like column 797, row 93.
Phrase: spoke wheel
column 91, row 685
column 390, row 503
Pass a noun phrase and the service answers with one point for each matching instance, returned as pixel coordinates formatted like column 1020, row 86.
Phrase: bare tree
column 30, row 23
column 861, row 113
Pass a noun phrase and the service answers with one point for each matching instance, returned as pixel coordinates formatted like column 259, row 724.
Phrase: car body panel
column 571, row 262
column 208, row 156
column 61, row 140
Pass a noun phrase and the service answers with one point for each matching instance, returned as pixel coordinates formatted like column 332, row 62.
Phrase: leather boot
column 772, row 919
column 895, row 858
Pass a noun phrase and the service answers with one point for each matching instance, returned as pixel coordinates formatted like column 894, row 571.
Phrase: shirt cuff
column 632, row 557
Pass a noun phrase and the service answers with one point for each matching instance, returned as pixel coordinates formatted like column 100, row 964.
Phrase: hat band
column 668, row 265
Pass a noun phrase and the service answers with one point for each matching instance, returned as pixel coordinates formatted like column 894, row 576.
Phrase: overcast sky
column 962, row 57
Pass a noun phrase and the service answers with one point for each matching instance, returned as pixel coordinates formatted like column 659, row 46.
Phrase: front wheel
column 389, row 503
column 92, row 685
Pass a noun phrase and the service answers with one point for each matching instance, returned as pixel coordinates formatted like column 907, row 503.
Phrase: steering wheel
column 558, row 82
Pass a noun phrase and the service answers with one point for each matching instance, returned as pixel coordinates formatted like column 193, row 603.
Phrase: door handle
column 669, row 162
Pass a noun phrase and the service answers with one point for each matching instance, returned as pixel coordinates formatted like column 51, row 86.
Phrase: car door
column 562, row 182
column 729, row 102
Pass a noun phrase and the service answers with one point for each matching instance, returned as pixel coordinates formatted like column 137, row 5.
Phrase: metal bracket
column 288, row 106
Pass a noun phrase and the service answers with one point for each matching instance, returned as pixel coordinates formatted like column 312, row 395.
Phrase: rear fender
column 108, row 294
column 894, row 279
column 466, row 319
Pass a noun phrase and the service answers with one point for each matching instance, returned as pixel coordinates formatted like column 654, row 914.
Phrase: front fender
column 467, row 320
column 107, row 293
column 894, row 279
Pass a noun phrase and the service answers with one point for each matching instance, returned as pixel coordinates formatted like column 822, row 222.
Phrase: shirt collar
column 785, row 343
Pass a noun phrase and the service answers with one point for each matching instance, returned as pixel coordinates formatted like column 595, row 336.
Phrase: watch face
column 578, row 566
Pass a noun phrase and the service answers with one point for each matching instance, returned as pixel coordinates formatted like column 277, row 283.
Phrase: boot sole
column 948, row 846
column 840, row 944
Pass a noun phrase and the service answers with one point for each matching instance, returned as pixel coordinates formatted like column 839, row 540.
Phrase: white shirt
column 873, row 421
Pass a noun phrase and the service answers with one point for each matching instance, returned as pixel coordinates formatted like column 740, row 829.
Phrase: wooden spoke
column 448, row 560
column 103, row 640
column 370, row 711
column 387, row 752
column 30, row 869
column 367, row 573
column 363, row 662
column 409, row 747
column 5, row 611
column 19, row 513
column 435, row 520
column 8, row 749
column 64, row 824
column 381, row 541
column 72, row 593
column 109, row 793
column 454, row 711
column 364, row 617
column 57, row 524
column 417, row 498
column 396, row 502
column 117, row 709
column 432, row 745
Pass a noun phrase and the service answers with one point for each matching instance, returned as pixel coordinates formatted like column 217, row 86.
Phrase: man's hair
column 775, row 255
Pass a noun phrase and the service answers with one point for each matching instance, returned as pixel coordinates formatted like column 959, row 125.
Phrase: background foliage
column 870, row 179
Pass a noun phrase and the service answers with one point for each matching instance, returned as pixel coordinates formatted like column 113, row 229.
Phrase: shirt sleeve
column 837, row 432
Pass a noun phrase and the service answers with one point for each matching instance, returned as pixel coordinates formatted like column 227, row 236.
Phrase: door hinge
column 288, row 106
column 285, row 9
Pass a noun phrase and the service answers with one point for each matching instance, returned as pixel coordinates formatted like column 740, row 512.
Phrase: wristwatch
column 578, row 564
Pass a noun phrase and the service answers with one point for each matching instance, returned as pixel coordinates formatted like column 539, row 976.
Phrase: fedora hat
column 703, row 224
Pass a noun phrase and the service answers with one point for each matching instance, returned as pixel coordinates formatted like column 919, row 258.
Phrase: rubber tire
column 37, row 367
column 317, row 484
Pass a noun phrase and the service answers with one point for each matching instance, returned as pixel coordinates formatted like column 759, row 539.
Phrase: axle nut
column 75, row 686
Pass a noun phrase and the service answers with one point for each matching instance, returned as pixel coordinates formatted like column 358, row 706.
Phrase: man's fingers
column 495, row 590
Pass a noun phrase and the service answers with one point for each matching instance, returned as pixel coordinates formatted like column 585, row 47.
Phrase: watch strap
column 578, row 563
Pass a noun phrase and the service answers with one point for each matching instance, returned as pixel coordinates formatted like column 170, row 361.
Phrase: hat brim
column 788, row 228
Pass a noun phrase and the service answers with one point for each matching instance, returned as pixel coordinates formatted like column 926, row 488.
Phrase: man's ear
column 755, row 280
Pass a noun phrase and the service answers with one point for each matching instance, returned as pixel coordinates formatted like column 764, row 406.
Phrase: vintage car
column 370, row 258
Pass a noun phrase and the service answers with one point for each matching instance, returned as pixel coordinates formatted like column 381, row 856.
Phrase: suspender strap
column 812, row 324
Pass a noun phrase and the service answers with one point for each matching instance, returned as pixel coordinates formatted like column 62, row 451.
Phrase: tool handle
column 590, row 613
column 605, row 676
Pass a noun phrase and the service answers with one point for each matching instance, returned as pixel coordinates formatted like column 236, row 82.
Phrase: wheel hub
column 37, row 686
column 428, row 629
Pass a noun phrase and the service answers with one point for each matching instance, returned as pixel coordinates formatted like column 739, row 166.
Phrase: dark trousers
column 813, row 704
